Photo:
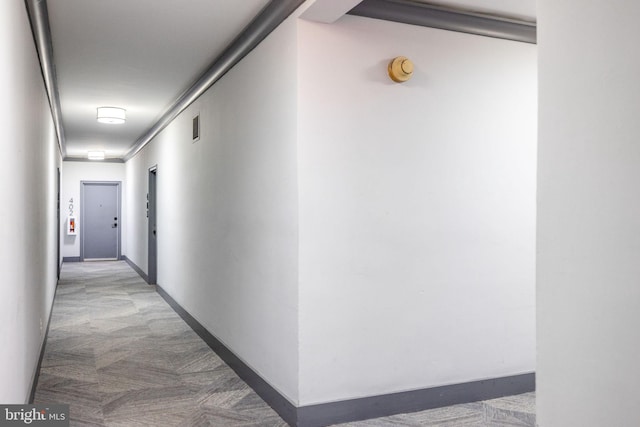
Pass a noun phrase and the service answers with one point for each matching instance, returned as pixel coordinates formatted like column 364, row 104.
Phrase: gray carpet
column 120, row 356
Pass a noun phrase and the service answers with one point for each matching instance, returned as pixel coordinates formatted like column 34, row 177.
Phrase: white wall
column 73, row 173
column 382, row 235
column 227, row 210
column 417, row 209
column 588, row 214
column 30, row 158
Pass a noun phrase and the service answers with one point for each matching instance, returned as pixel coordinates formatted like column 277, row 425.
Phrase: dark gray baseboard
column 413, row 401
column 34, row 384
column 136, row 268
column 279, row 403
column 357, row 409
column 71, row 259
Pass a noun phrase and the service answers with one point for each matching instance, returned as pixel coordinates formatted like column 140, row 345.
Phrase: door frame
column 152, row 213
column 59, row 219
column 118, row 185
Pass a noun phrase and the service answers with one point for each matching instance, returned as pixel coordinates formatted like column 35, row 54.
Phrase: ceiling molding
column 84, row 159
column 39, row 19
column 425, row 15
column 262, row 25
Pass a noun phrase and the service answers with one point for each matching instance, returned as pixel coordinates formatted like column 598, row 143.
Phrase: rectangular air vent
column 195, row 135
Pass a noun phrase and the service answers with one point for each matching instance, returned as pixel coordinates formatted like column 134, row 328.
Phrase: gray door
column 58, row 260
column 153, row 242
column 99, row 228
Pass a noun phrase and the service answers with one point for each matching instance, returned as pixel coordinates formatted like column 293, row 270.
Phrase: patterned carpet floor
column 120, row 356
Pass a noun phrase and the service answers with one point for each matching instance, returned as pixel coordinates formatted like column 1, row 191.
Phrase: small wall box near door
column 72, row 226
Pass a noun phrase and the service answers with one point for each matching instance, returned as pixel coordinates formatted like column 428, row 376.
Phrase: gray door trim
column 118, row 201
column 152, row 225
column 59, row 219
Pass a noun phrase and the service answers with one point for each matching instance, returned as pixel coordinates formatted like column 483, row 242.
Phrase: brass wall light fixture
column 400, row 69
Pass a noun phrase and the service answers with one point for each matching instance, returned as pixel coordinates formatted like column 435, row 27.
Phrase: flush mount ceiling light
column 95, row 155
column 111, row 115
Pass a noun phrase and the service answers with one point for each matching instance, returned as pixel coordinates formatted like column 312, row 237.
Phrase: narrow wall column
column 588, row 272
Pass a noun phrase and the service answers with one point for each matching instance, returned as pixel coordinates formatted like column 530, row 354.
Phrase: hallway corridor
column 119, row 355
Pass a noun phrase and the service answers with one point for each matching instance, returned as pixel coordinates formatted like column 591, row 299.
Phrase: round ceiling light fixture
column 95, row 155
column 112, row 115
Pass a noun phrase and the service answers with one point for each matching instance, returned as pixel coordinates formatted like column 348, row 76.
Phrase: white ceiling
column 142, row 54
column 135, row 54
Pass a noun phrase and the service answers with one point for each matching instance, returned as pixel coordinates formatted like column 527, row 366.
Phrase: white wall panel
column 227, row 210
column 28, row 245
column 417, row 209
column 588, row 214
column 72, row 174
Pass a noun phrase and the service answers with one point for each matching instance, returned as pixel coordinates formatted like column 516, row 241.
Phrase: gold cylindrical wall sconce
column 400, row 69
